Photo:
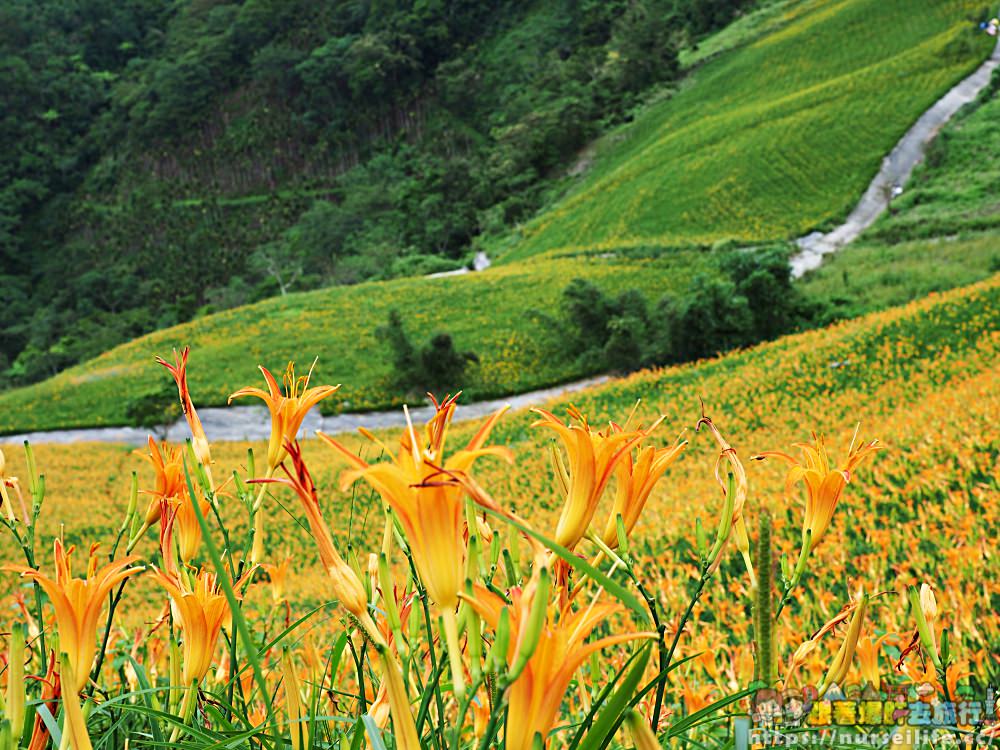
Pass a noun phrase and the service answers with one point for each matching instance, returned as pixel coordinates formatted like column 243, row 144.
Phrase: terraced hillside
column 772, row 139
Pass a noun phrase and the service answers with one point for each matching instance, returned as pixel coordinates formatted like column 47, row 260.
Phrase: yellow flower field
column 909, row 552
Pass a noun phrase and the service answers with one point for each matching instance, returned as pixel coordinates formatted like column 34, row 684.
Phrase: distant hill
column 501, row 314
column 772, row 140
column 161, row 160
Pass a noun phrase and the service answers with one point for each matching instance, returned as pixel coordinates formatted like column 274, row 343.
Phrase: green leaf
column 614, row 588
column 239, row 620
column 691, row 720
column 147, row 697
column 374, row 734
column 614, row 709
column 597, row 703
column 50, row 723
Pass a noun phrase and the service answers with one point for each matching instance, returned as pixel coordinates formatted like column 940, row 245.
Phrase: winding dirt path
column 895, row 171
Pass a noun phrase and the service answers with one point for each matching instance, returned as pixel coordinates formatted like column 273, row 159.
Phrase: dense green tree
column 713, row 319
column 764, row 278
column 748, row 299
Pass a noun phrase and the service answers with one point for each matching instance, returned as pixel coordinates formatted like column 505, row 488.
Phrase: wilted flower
column 346, row 585
column 350, row 591
column 727, row 455
column 8, row 509
column 51, row 693
column 11, row 483
column 845, row 655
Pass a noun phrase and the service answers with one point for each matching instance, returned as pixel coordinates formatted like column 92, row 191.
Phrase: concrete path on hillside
column 896, row 170
column 254, row 422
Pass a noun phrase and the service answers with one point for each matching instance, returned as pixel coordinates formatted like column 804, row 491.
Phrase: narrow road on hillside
column 254, row 422
column 895, row 171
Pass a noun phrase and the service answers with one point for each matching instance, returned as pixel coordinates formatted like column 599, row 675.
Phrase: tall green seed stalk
column 763, row 619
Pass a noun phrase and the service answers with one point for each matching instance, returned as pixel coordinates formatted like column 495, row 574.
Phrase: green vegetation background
column 497, row 314
column 159, row 161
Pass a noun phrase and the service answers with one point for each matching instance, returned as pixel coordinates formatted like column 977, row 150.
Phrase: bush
column 154, row 409
column 751, row 299
column 713, row 319
column 437, row 367
column 421, row 265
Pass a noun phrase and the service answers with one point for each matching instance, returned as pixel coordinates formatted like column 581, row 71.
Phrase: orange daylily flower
column 168, row 467
column 425, row 490
column 199, row 441
column 636, row 480
column 537, row 694
column 868, row 651
column 823, row 483
column 697, row 697
column 181, row 521
column 202, row 609
column 278, row 575
column 78, row 602
column 922, row 672
column 593, row 457
column 287, row 409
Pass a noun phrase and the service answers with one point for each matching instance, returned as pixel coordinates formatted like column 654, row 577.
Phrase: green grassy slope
column 773, row 139
column 873, row 276
column 957, row 188
column 943, row 232
column 490, row 314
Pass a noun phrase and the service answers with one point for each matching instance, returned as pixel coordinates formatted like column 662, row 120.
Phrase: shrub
column 751, row 299
column 437, row 367
column 714, row 318
column 154, row 409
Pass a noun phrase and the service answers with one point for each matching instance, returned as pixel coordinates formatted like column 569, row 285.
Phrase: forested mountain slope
column 159, row 160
